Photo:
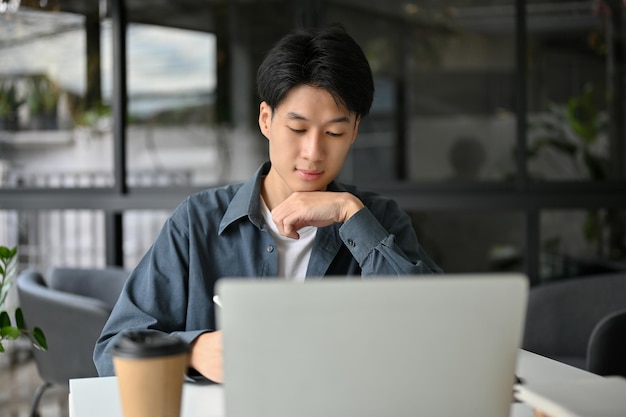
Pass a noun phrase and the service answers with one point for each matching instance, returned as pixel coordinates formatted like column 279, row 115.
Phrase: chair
column 71, row 306
column 606, row 353
column 562, row 315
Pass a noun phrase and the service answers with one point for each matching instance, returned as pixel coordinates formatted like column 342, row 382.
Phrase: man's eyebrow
column 295, row 116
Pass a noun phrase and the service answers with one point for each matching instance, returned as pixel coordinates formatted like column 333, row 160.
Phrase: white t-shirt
column 293, row 254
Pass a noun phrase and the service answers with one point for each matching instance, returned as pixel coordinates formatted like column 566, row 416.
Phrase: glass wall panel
column 576, row 104
column 54, row 121
column 373, row 156
column 193, row 108
column 578, row 242
column 141, row 228
column 172, row 138
column 448, row 69
column 473, row 241
column 47, row 238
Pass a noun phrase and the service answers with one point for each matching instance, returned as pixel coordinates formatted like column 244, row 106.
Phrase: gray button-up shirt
column 220, row 232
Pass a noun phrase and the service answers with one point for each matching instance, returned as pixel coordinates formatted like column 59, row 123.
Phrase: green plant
column 9, row 99
column 577, row 130
column 91, row 117
column 43, row 95
column 7, row 330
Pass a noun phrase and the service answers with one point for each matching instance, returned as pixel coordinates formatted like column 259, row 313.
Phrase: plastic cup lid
column 148, row 344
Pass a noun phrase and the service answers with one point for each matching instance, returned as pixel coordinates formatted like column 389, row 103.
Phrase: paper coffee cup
column 150, row 369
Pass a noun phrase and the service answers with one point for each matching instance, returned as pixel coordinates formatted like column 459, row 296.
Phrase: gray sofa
column 71, row 306
column 562, row 315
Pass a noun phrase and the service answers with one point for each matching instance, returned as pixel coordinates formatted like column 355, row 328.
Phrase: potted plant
column 42, row 99
column 8, row 329
column 9, row 104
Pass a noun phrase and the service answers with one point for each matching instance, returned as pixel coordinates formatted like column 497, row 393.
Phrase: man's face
column 309, row 138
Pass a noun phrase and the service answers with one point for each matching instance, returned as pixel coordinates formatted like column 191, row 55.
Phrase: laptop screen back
column 416, row 346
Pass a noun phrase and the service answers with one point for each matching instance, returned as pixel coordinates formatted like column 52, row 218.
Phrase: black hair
column 326, row 58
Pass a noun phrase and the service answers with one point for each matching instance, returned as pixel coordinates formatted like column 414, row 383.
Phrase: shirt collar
column 247, row 200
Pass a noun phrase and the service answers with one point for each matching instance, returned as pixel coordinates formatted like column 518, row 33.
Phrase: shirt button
column 270, row 248
column 351, row 243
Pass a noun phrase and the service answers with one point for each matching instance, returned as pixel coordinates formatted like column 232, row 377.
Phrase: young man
column 291, row 219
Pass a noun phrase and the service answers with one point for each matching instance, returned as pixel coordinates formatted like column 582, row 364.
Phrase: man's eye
column 297, row 130
column 334, row 134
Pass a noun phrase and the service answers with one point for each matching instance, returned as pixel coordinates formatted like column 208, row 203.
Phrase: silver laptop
column 418, row 346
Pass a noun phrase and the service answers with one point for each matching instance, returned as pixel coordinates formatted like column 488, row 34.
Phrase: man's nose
column 312, row 145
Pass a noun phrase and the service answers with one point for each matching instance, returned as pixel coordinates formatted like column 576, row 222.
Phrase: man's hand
column 206, row 356
column 315, row 208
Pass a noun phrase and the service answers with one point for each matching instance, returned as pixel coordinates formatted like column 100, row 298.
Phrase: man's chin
column 309, row 187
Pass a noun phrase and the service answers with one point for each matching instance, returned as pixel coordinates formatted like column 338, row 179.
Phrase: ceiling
column 203, row 15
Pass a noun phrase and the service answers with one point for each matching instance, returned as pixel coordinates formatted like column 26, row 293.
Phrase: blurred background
column 499, row 125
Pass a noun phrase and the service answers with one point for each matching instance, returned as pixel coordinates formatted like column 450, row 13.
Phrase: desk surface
column 98, row 397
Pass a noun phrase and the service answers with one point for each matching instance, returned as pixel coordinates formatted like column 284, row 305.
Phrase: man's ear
column 265, row 118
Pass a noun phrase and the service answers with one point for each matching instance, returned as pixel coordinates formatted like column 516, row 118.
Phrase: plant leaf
column 4, row 291
column 5, row 252
column 10, row 332
column 583, row 115
column 19, row 319
column 5, row 320
column 1, row 348
column 40, row 338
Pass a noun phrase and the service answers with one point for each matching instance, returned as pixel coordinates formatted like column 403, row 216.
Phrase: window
column 444, row 108
column 55, row 124
column 173, row 137
column 569, row 95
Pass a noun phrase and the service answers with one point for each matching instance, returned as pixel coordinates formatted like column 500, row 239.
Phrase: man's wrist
column 351, row 207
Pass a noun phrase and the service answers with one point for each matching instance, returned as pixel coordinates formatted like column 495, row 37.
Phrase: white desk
column 98, row 397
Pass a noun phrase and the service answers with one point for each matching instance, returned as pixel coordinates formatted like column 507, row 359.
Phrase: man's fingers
column 287, row 229
column 318, row 209
column 206, row 356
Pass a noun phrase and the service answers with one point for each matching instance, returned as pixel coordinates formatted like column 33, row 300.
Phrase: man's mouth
column 309, row 174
